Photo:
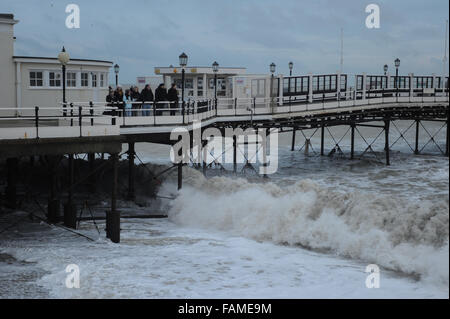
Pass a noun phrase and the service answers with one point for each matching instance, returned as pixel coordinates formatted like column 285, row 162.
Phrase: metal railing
column 91, row 114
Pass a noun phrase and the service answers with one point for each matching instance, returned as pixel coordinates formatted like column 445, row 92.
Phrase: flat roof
column 7, row 16
column 198, row 67
column 49, row 58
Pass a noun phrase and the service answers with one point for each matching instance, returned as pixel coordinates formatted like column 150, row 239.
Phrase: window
column 94, row 80
column 102, row 80
column 343, row 82
column 36, row 78
column 71, row 79
column 199, row 86
column 84, row 79
column 54, row 79
column 258, row 87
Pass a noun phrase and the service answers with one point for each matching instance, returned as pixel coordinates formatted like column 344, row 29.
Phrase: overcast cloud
column 139, row 34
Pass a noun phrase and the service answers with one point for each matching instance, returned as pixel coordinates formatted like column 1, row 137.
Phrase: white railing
column 57, row 122
column 99, row 118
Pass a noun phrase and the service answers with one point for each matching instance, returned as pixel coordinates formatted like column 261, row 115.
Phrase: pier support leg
column 11, row 188
column 352, row 150
column 234, row 154
column 70, row 211
column 416, row 150
column 92, row 179
column 180, row 166
column 386, row 147
column 131, row 155
column 113, row 217
column 180, row 175
column 307, row 145
column 294, row 131
column 53, row 210
column 322, row 139
column 204, row 156
column 448, row 135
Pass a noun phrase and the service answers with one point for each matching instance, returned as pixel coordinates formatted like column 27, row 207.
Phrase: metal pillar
column 386, row 134
column 234, row 154
column 416, row 150
column 322, row 139
column 180, row 165
column 448, row 133
column 92, row 178
column 70, row 211
column 113, row 216
column 11, row 188
column 204, row 156
column 352, row 150
column 131, row 155
column 294, row 130
column 53, row 209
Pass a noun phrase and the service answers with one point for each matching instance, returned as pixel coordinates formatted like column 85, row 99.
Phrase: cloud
column 142, row 34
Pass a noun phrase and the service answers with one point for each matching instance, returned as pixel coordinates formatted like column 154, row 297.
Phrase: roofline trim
column 49, row 58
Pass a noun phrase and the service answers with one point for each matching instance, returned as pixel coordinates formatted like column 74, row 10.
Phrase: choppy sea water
column 307, row 231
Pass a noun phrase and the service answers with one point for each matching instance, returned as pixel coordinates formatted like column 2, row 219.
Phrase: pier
column 317, row 102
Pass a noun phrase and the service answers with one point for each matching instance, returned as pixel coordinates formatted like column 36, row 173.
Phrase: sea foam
column 410, row 237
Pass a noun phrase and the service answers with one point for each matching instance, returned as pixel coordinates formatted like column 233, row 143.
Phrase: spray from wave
column 396, row 234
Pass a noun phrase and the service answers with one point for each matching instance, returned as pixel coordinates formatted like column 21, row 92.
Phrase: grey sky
column 139, row 34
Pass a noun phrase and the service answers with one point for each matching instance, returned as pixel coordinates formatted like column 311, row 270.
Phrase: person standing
column 135, row 97
column 147, row 99
column 127, row 103
column 118, row 97
column 160, row 98
column 172, row 97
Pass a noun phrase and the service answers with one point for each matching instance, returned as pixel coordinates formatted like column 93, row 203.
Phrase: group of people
column 133, row 103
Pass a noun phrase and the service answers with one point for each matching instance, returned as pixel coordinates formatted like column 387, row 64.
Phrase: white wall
column 7, row 70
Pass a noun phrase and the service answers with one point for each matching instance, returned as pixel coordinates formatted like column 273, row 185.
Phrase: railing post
column 71, row 114
column 154, row 112
column 364, row 83
column 91, row 111
column 310, row 88
column 80, row 116
column 182, row 109
column 215, row 104
column 113, row 114
column 36, row 120
column 235, row 106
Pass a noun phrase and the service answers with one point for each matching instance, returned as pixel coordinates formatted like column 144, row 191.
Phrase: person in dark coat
column 147, row 96
column 118, row 97
column 160, row 96
column 172, row 97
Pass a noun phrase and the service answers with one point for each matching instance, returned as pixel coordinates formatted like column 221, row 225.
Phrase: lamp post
column 272, row 70
column 183, row 62
column 385, row 68
column 64, row 58
column 291, row 66
column 397, row 65
column 215, row 67
column 116, row 71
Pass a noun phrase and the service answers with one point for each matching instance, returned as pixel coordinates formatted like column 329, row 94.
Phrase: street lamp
column 116, row 71
column 183, row 62
column 291, row 66
column 64, row 58
column 272, row 70
column 386, row 67
column 397, row 65
column 215, row 67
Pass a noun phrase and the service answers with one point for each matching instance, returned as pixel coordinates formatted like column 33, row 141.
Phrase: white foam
column 391, row 232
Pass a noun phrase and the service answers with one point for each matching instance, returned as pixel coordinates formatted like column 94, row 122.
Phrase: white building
column 26, row 82
column 199, row 81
